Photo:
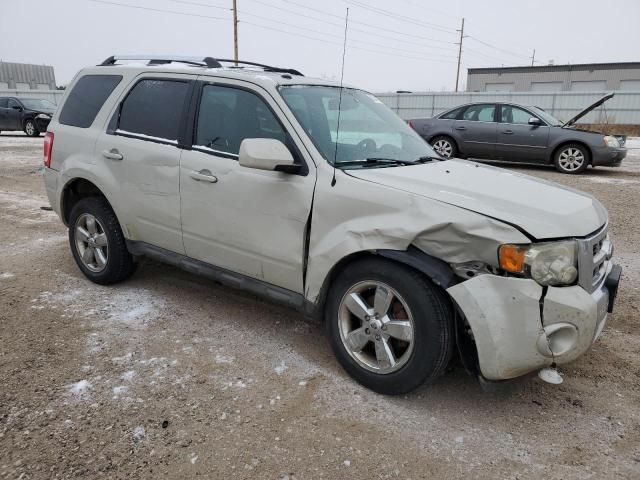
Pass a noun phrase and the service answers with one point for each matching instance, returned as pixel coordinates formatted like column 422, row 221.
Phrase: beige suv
column 318, row 196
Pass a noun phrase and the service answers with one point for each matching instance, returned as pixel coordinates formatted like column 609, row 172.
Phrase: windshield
column 37, row 104
column 368, row 129
column 550, row 119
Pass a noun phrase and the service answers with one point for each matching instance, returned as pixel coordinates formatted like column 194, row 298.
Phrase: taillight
column 410, row 124
column 48, row 148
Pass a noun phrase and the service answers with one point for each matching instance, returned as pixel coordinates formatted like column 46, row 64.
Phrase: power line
column 402, row 18
column 322, row 33
column 377, row 28
column 498, row 48
column 138, row 7
column 338, row 44
column 186, row 2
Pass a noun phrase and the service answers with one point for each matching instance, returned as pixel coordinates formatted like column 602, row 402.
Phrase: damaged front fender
column 356, row 215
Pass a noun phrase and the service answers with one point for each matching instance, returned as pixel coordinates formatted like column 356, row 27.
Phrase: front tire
column 30, row 129
column 390, row 328
column 97, row 242
column 572, row 158
column 444, row 146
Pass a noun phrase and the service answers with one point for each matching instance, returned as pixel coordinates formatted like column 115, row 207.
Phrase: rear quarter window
column 86, row 99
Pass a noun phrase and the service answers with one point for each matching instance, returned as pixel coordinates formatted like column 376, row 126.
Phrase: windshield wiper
column 376, row 161
column 428, row 158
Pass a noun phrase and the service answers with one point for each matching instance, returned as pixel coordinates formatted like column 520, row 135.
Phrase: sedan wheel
column 571, row 159
column 376, row 327
column 91, row 242
column 444, row 146
column 30, row 129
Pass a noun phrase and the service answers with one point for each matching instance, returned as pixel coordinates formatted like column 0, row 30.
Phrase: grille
column 593, row 259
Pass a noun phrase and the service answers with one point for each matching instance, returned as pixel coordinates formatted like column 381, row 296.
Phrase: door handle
column 508, row 132
column 203, row 175
column 112, row 154
column 461, row 128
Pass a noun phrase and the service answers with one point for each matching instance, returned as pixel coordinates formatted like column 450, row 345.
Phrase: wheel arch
column 75, row 190
column 436, row 270
column 564, row 143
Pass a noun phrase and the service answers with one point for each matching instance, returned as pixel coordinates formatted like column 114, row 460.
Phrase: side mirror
column 17, row 107
column 535, row 121
column 266, row 154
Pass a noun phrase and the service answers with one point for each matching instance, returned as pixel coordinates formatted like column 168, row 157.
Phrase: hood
column 543, row 209
column 596, row 104
column 46, row 111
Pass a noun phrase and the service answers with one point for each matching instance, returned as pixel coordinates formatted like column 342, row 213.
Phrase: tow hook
column 550, row 375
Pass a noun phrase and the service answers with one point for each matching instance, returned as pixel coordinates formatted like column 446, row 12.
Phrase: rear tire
column 401, row 334
column 97, row 242
column 571, row 158
column 30, row 129
column 445, row 146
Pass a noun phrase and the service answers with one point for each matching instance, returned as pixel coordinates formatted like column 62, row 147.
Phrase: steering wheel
column 367, row 145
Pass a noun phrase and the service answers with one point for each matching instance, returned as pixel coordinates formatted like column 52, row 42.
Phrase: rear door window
column 86, row 99
column 4, row 103
column 480, row 113
column 153, row 109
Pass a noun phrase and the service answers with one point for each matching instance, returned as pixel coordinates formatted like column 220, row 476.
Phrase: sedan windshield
column 37, row 104
column 370, row 135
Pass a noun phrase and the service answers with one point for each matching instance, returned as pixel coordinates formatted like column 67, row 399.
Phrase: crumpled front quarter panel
column 357, row 215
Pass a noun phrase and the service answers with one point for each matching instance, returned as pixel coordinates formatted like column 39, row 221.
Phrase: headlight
column 611, row 141
column 553, row 263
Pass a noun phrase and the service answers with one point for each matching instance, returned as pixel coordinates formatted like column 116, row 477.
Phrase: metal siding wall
column 13, row 73
column 624, row 108
column 522, row 80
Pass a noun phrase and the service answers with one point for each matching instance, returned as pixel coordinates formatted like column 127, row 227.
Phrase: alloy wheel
column 376, row 327
column 29, row 129
column 443, row 147
column 571, row 159
column 91, row 242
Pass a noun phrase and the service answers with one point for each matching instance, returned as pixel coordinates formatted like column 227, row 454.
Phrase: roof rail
column 161, row 59
column 208, row 62
column 267, row 68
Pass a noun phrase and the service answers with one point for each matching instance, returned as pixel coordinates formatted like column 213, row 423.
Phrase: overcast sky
column 391, row 45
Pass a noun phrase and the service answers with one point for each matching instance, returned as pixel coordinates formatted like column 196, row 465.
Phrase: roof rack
column 162, row 59
column 208, row 62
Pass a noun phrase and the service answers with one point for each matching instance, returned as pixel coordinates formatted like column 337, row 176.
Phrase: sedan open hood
column 596, row 104
column 543, row 209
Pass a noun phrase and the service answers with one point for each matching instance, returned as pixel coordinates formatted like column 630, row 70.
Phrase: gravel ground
column 170, row 375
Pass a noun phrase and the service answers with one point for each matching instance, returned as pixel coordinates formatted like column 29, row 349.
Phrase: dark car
column 516, row 133
column 31, row 115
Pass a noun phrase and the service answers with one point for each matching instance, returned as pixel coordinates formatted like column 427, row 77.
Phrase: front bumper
column 608, row 156
column 518, row 328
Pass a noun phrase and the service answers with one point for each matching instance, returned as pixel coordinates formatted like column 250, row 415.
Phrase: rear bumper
column 518, row 330
column 608, row 156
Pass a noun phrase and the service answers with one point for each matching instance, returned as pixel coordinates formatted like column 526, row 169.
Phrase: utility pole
column 533, row 57
column 235, row 32
column 459, row 54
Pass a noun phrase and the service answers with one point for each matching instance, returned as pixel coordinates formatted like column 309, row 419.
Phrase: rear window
column 86, row 99
column 153, row 108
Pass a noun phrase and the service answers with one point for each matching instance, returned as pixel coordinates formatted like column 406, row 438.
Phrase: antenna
column 344, row 50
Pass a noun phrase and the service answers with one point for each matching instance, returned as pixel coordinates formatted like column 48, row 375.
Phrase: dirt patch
column 170, row 375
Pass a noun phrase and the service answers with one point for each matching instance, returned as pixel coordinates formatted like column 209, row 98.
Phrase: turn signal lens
column 512, row 258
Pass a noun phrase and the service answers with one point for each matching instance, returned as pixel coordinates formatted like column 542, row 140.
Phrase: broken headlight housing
column 549, row 264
